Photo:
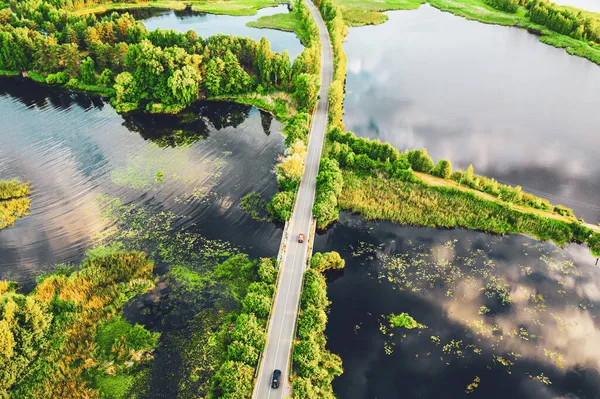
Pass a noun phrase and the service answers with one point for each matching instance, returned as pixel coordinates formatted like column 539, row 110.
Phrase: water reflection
column 206, row 25
column 74, row 148
column 590, row 5
column 520, row 111
column 522, row 316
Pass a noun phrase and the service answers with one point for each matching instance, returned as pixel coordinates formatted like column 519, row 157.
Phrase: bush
column 59, row 78
column 329, row 260
column 443, row 169
column 267, row 270
column 564, row 211
column 420, row 160
column 594, row 243
column 281, row 205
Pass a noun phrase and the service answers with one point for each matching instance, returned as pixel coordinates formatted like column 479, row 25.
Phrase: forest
column 160, row 71
column 66, row 338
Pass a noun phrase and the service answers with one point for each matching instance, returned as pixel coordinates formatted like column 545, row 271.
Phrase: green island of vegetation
column 67, row 338
column 14, row 201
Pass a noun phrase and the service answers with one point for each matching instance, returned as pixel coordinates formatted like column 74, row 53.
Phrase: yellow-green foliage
column 13, row 202
column 314, row 365
column 381, row 198
column 369, row 12
column 48, row 337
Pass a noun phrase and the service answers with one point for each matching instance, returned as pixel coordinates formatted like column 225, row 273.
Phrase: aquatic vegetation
column 378, row 198
column 254, row 205
column 473, row 386
column 66, row 338
column 498, row 312
column 403, row 320
column 13, row 201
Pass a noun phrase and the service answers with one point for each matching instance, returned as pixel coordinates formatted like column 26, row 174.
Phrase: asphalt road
column 281, row 327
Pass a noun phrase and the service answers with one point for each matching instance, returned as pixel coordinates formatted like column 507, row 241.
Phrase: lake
column 590, row 5
column 516, row 317
column 206, row 25
column 77, row 152
column 520, row 111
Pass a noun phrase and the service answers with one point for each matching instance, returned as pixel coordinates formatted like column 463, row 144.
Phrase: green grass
column 4, row 72
column 225, row 7
column 115, row 386
column 379, row 198
column 365, row 12
column 289, row 22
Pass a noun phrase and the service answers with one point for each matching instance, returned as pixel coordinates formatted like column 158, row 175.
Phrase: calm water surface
column 74, row 148
column 206, row 25
column 540, row 342
column 520, row 111
column 590, row 5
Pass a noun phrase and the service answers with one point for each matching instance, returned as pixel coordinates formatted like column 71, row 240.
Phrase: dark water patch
column 74, row 148
column 515, row 313
column 206, row 25
column 520, row 111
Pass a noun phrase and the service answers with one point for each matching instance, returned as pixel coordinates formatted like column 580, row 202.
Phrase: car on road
column 276, row 379
column 300, row 238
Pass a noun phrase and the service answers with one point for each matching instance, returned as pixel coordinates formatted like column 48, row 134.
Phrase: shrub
column 594, row 243
column 329, row 260
column 564, row 211
column 59, row 78
column 443, row 169
column 267, row 270
column 420, row 160
column 281, row 205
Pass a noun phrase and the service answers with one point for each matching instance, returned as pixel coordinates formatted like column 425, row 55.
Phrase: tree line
column 314, row 366
column 576, row 24
column 161, row 71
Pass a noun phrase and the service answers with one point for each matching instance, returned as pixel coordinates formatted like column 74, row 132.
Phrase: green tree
column 263, row 61
column 241, row 352
column 234, row 380
column 256, row 303
column 280, row 206
column 249, row 331
column 443, row 169
column 184, row 84
column 267, row 270
column 88, row 72
column 306, row 91
column 420, row 160
column 106, row 78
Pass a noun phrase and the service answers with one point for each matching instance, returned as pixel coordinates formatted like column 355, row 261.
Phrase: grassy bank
column 418, row 204
column 67, row 338
column 224, row 7
column 360, row 13
column 13, row 201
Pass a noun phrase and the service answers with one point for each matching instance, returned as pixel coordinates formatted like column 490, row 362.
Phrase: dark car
column 301, row 238
column 276, row 379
